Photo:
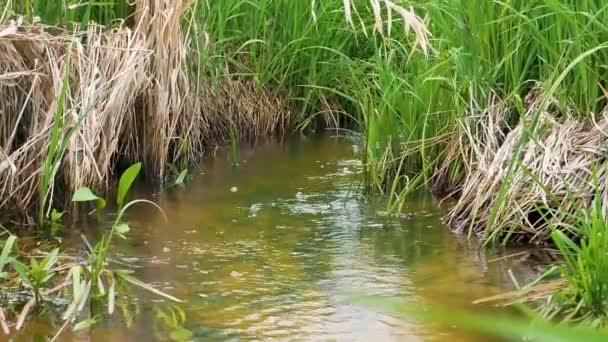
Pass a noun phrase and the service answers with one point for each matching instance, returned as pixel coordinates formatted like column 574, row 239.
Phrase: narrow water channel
column 274, row 249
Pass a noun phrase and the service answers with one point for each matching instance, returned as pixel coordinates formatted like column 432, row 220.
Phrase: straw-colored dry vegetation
column 76, row 104
column 523, row 187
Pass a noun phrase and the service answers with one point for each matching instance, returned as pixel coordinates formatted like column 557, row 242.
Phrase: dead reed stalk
column 557, row 171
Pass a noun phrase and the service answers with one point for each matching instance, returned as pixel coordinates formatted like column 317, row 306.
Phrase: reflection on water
column 279, row 258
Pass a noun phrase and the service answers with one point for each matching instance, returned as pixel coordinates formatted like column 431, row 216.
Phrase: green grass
column 65, row 12
column 279, row 44
column 584, row 266
column 311, row 58
column 57, row 145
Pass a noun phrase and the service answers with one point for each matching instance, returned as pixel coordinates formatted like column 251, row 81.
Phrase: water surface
column 276, row 248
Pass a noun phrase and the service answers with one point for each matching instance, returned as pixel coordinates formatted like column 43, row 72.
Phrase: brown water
column 282, row 257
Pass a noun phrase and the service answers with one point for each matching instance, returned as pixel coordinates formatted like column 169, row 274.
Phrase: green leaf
column 84, row 194
column 21, row 269
column 121, row 229
column 125, row 183
column 34, row 265
column 148, row 287
column 50, row 260
column 180, row 334
column 495, row 325
column 181, row 178
column 124, row 272
column 56, row 216
column 101, row 289
column 76, row 281
column 6, row 250
column 112, row 296
column 80, row 294
column 87, row 323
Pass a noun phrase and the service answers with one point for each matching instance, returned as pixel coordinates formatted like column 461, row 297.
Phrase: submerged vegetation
column 499, row 105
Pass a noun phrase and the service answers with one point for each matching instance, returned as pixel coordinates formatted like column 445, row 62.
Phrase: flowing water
column 278, row 248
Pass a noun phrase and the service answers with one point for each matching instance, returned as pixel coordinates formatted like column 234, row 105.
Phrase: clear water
column 282, row 257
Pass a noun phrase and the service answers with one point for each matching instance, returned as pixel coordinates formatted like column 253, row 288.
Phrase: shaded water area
column 281, row 257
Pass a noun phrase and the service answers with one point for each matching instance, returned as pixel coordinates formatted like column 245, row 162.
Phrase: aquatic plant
column 92, row 280
column 98, row 255
column 56, row 148
column 582, row 243
column 170, row 321
column 37, row 274
column 7, row 248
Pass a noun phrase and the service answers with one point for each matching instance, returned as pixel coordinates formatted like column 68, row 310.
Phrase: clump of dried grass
column 243, row 105
column 130, row 97
column 478, row 136
column 170, row 108
column 106, row 72
column 555, row 172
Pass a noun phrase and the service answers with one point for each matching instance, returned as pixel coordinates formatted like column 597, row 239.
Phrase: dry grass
column 254, row 111
column 131, row 97
column 410, row 20
column 552, row 176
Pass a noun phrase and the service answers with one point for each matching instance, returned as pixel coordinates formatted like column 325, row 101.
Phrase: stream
column 277, row 248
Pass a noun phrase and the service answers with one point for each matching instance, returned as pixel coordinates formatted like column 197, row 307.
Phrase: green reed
column 66, row 12
column 400, row 98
